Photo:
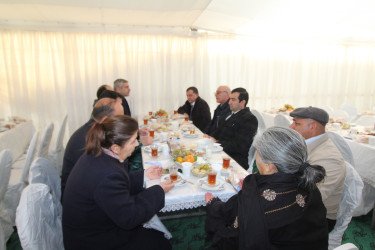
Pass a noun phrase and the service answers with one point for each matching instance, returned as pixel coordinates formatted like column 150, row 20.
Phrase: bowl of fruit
column 181, row 155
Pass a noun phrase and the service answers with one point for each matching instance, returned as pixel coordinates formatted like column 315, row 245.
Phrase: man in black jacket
column 196, row 108
column 121, row 86
column 239, row 128
column 222, row 97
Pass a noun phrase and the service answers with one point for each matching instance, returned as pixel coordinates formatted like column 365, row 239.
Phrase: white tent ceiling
column 343, row 20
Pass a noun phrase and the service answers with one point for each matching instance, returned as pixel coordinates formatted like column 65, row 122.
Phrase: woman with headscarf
column 278, row 208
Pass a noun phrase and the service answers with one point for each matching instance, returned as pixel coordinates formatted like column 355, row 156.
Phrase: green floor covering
column 188, row 233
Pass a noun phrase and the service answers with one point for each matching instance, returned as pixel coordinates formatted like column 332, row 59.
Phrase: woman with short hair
column 104, row 206
column 278, row 208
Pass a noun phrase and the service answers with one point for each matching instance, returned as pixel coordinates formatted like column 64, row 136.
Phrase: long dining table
column 191, row 194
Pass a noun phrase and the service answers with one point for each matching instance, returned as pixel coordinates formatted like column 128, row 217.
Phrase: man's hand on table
column 209, row 137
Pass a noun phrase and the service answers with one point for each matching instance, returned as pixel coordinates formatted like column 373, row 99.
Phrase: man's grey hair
column 118, row 83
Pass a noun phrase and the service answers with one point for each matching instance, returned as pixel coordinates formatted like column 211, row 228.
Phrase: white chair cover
column 57, row 155
column 347, row 246
column 18, row 181
column 38, row 224
column 350, row 199
column 329, row 110
column 43, row 171
column 341, row 115
column 367, row 201
column 366, row 120
column 261, row 123
column 45, row 141
column 350, row 109
column 342, row 146
column 252, row 152
column 282, row 121
column 6, row 228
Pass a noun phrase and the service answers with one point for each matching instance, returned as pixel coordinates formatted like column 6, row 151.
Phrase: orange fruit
column 189, row 158
column 179, row 159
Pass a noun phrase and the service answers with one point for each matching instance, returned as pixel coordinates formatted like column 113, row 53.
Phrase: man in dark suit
column 222, row 97
column 239, row 128
column 121, row 86
column 196, row 108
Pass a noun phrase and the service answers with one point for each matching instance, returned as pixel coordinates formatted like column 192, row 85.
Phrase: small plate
column 177, row 183
column 216, row 148
column 220, row 184
column 188, row 135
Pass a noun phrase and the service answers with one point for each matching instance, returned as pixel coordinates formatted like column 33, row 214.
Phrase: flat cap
column 316, row 114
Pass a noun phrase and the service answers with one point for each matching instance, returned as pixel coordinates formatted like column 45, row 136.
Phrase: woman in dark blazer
column 278, row 208
column 104, row 205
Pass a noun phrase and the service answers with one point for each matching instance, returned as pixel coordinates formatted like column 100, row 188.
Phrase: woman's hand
column 241, row 183
column 209, row 197
column 146, row 140
column 167, row 185
column 153, row 172
column 143, row 132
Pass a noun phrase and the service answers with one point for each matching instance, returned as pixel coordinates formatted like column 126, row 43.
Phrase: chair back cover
column 57, row 155
column 5, row 167
column 38, row 224
column 350, row 109
column 350, row 199
column 6, row 227
column 282, row 121
column 261, row 123
column 29, row 157
column 342, row 146
column 43, row 171
column 366, row 120
column 341, row 115
column 45, row 141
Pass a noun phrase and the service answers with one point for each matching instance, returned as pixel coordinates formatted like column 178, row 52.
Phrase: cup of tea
column 192, row 130
column 154, row 150
column 173, row 175
column 211, row 177
column 145, row 121
column 186, row 118
column 226, row 162
column 175, row 112
column 150, row 113
column 152, row 133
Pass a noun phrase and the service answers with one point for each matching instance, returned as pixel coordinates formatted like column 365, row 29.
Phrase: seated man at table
column 310, row 123
column 222, row 97
column 100, row 91
column 196, row 108
column 238, row 129
column 121, row 86
column 109, row 104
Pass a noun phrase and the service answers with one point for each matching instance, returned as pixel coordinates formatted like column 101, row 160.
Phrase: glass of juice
column 211, row 177
column 154, row 150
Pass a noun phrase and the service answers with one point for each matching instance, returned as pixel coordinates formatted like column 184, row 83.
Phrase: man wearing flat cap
column 310, row 123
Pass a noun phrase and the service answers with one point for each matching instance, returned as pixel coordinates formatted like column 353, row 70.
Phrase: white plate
column 216, row 148
column 177, row 183
column 148, row 149
column 188, row 135
column 220, row 184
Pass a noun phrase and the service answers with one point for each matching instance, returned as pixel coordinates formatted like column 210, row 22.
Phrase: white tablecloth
column 17, row 139
column 189, row 195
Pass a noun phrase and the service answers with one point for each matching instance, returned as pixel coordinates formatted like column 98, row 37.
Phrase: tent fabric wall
column 45, row 75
